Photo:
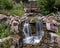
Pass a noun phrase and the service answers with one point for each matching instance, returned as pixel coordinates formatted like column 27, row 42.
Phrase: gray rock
column 58, row 40
column 3, row 17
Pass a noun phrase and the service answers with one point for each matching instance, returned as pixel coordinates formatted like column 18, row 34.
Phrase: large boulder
column 3, row 17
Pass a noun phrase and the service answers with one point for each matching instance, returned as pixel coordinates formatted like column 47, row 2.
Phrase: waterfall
column 27, row 33
column 27, row 29
column 33, row 39
column 40, row 32
column 39, row 27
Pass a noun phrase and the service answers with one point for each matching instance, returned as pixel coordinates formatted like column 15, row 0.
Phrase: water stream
column 27, row 29
column 39, row 32
column 39, row 27
column 33, row 39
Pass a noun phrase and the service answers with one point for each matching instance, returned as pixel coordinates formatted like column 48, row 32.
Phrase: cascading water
column 40, row 32
column 27, row 29
column 32, row 39
column 27, row 33
column 39, row 27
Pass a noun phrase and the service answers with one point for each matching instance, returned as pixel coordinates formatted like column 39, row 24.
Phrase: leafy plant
column 58, row 27
column 46, row 6
column 17, row 10
column 6, row 4
column 57, row 4
column 5, row 30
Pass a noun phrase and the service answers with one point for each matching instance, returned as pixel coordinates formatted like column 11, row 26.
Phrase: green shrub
column 5, row 30
column 4, row 11
column 57, row 3
column 58, row 30
column 6, row 4
column 17, row 10
column 58, row 27
column 46, row 6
